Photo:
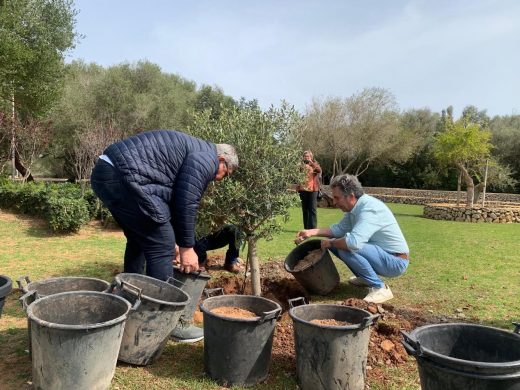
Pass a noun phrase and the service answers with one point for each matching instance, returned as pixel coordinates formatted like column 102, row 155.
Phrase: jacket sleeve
column 196, row 172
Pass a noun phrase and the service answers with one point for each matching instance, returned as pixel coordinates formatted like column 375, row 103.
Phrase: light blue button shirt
column 372, row 222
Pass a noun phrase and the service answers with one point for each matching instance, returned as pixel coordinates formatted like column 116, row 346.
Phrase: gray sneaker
column 187, row 333
column 357, row 281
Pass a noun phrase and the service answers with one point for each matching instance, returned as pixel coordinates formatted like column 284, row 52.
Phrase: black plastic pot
column 148, row 328
column 62, row 284
column 321, row 277
column 192, row 284
column 75, row 339
column 330, row 357
column 465, row 356
column 237, row 351
column 46, row 287
column 6, row 285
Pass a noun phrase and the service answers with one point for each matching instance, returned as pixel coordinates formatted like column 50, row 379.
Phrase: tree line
column 55, row 118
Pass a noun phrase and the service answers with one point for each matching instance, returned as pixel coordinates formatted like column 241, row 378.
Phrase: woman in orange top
column 309, row 190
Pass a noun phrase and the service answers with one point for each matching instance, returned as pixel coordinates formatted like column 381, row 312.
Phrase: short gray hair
column 229, row 154
column 348, row 184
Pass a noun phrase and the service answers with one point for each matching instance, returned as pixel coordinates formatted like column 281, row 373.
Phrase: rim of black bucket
column 467, row 374
column 152, row 299
column 198, row 274
column 331, row 327
column 235, row 319
column 471, row 365
column 34, row 285
column 53, row 325
column 6, row 286
column 309, row 242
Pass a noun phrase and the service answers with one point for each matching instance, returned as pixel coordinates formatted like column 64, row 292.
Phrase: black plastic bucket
column 192, row 284
column 63, row 284
column 319, row 278
column 148, row 328
column 5, row 288
column 46, row 287
column 75, row 339
column 331, row 357
column 237, row 351
column 465, row 356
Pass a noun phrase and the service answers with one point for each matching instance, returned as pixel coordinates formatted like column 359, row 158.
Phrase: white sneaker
column 357, row 281
column 379, row 294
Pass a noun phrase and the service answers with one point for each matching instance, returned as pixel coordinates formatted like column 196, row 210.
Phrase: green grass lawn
column 454, row 267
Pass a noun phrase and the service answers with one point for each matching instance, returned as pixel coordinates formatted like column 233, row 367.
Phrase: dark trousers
column 147, row 242
column 228, row 235
column 309, row 209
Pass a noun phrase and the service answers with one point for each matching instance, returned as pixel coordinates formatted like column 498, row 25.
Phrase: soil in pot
column 331, row 322
column 233, row 312
column 311, row 258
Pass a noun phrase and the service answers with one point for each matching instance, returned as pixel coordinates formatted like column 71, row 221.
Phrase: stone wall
column 422, row 197
column 500, row 208
column 463, row 214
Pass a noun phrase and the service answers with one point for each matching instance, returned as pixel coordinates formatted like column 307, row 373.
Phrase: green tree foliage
column 356, row 132
column 256, row 199
column 465, row 145
column 34, row 37
column 506, row 138
column 100, row 104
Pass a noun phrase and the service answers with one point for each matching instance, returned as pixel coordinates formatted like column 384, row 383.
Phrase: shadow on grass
column 186, row 362
column 502, row 324
column 341, row 292
column 15, row 364
column 180, row 360
column 12, row 307
column 105, row 270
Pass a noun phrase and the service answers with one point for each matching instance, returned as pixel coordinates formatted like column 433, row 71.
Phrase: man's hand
column 189, row 260
column 328, row 243
column 177, row 258
column 303, row 235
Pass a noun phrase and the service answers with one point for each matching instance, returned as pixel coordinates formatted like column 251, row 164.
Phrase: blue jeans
column 146, row 240
column 371, row 261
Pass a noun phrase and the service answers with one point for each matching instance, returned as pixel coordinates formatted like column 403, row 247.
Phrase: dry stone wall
column 487, row 214
column 500, row 208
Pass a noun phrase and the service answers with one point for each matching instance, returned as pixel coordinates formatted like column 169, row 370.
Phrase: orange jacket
column 312, row 182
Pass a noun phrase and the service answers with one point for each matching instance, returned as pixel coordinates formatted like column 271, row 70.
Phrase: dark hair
column 348, row 184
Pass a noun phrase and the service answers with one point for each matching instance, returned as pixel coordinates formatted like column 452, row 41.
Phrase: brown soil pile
column 233, row 312
column 385, row 348
column 331, row 322
column 311, row 258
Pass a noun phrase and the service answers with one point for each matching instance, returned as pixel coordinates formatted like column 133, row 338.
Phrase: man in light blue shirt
column 368, row 238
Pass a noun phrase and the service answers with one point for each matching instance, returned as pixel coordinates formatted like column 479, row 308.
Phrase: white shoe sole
column 187, row 341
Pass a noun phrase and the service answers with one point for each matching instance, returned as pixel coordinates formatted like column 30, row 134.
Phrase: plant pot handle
column 175, row 282
column 20, row 280
column 517, row 327
column 413, row 347
column 294, row 300
column 370, row 320
column 31, row 295
column 269, row 315
column 209, row 292
column 132, row 289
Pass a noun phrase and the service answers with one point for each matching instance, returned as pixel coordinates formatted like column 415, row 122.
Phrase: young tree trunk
column 470, row 186
column 255, row 266
column 26, row 173
column 459, row 181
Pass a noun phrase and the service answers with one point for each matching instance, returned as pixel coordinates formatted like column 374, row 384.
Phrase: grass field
column 455, row 268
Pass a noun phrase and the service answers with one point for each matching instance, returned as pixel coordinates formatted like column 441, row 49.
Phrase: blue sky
column 427, row 53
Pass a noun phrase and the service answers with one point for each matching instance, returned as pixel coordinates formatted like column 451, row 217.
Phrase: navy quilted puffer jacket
column 167, row 171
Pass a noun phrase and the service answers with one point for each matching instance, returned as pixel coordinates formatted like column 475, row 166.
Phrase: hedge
column 62, row 205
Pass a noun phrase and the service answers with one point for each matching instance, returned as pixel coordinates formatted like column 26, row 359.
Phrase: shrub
column 66, row 214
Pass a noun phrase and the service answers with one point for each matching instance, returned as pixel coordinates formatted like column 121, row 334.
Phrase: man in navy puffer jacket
column 152, row 184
